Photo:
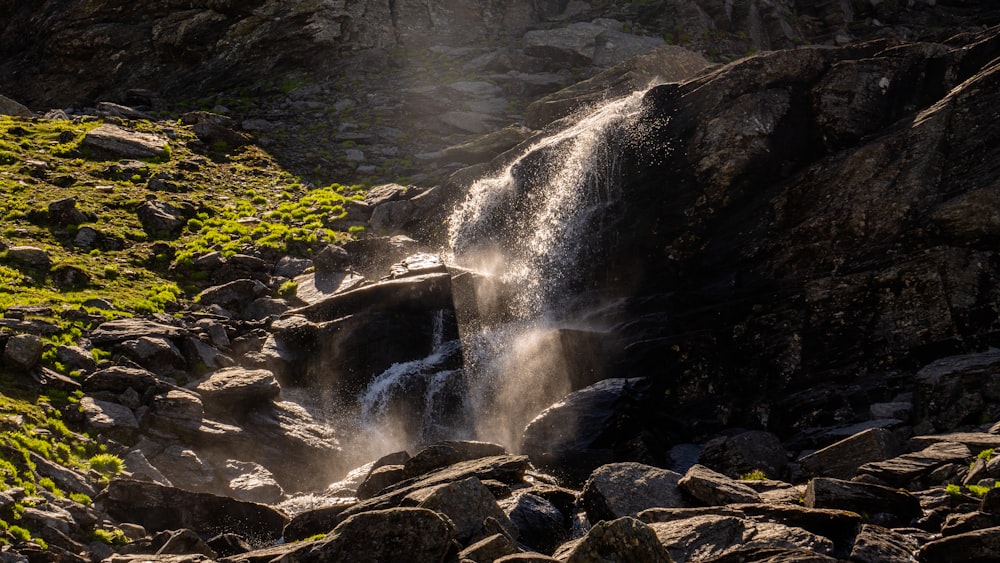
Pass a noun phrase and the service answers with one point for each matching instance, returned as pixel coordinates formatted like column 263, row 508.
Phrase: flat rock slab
column 980, row 546
column 976, row 441
column 120, row 330
column 713, row 488
column 842, row 459
column 418, row 293
column 902, row 470
column 862, row 498
column 876, row 544
column 238, row 387
column 112, row 141
column 315, row 287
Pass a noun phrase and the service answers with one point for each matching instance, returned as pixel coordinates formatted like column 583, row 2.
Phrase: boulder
column 315, row 521
column 842, row 459
column 467, row 503
column 383, row 535
column 156, row 353
column 892, row 506
column 626, row 489
column 118, row 379
column 233, row 296
column 157, row 507
column 30, row 256
column 110, row 419
column 217, row 131
column 745, row 452
column 111, row 141
column 715, row 489
column 16, row 109
column 332, row 258
column 22, row 351
column 418, row 293
column 539, row 524
column 979, row 546
column 237, row 389
column 119, row 330
column 380, row 478
column 251, row 482
column 181, row 465
column 957, row 390
column 875, row 544
column 909, row 470
column 64, row 212
column 489, row 549
column 623, row 539
column 139, row 468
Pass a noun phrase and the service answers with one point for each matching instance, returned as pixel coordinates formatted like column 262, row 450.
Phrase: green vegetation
column 106, row 464
column 111, row 537
column 976, row 490
column 755, row 475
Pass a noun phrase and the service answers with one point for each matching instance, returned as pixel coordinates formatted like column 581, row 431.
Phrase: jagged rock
column 183, row 466
column 467, row 503
column 233, row 296
column 624, row 539
column 418, row 293
column 185, row 542
column 626, row 489
column 154, row 353
column 314, row 287
column 315, row 521
column 591, row 412
column 290, row 266
column 979, row 546
column 714, row 488
column 332, row 258
column 10, row 107
column 704, row 537
column 489, row 549
column 228, row 544
column 111, row 141
column 140, row 469
column 908, row 469
column 484, row 148
column 382, row 535
column 64, row 477
column 251, row 482
column 22, row 351
column 237, row 389
column 30, row 256
column 740, row 454
column 157, row 507
column 875, row 544
column 111, row 419
column 64, row 212
column 976, row 441
column 379, row 479
column 842, row 459
column 372, row 256
column 217, row 131
column 118, row 379
column 956, row 390
column 118, row 330
column 539, row 524
column 896, row 506
column 507, row 469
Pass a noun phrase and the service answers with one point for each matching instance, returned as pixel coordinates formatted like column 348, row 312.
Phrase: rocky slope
column 798, row 282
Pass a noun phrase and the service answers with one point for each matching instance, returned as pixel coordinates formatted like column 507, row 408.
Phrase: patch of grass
column 107, row 464
column 755, row 475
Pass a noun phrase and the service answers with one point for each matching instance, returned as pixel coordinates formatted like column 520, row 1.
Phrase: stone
column 623, row 539
column 290, row 266
column 110, row 419
column 119, row 330
column 140, row 469
column 157, row 508
column 331, row 258
column 155, row 353
column 16, row 109
column 382, row 535
column 30, row 256
column 227, row 544
column 422, row 293
column 430, row 458
column 118, row 379
column 110, row 141
column 745, row 452
column 714, row 488
column 183, row 542
column 183, row 466
column 64, row 212
column 379, row 479
column 251, row 482
column 704, row 537
column 489, row 549
column 896, row 505
column 908, row 470
column 842, row 459
column 22, row 351
column 315, row 521
column 160, row 219
column 68, row 276
column 977, row 546
column 467, row 503
column 539, row 524
column 65, row 478
column 875, row 544
column 237, row 389
column 956, row 390
column 626, row 489
column 233, row 296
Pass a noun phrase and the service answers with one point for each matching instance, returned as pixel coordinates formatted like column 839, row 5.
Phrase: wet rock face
column 798, row 212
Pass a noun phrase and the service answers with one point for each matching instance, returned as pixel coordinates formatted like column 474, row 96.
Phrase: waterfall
column 524, row 233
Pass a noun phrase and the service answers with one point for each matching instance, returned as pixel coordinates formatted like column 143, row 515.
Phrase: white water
column 526, row 230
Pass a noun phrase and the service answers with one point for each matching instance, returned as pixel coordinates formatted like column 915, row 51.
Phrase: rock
column 976, row 441
column 467, row 503
column 626, row 489
column 22, row 352
column 486, row 147
column 251, row 482
column 69, row 277
column 64, row 212
column 714, row 488
column 379, row 479
column 237, row 389
column 431, row 458
column 65, row 478
column 740, row 454
column 182, row 465
column 139, row 468
column 979, row 546
column 315, row 521
column 110, row 419
column 227, row 544
column 382, row 535
column 185, row 542
column 372, row 256
column 155, row 353
column 894, row 506
column 332, row 258
column 233, row 296
column 160, row 219
column 111, row 141
column 704, row 537
column 573, row 437
column 418, row 293
column 217, row 131
column 314, row 287
column 909, row 469
column 842, row 459
column 624, row 539
column 956, row 390
column 118, row 330
column 875, row 544
column 30, row 256
column 290, row 266
column 10, row 107
column 488, row 550
column 991, row 502
column 540, row 525
column 118, row 379
column 157, row 507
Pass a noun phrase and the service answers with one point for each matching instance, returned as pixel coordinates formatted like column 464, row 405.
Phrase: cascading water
column 524, row 233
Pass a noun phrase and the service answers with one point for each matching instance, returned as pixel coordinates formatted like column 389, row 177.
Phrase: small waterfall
column 524, row 232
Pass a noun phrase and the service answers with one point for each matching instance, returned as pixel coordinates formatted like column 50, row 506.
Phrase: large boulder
column 22, row 351
column 626, row 489
column 957, row 390
column 623, row 539
column 111, row 141
column 383, row 535
column 237, row 389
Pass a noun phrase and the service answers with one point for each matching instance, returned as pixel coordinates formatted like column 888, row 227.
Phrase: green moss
column 107, row 464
